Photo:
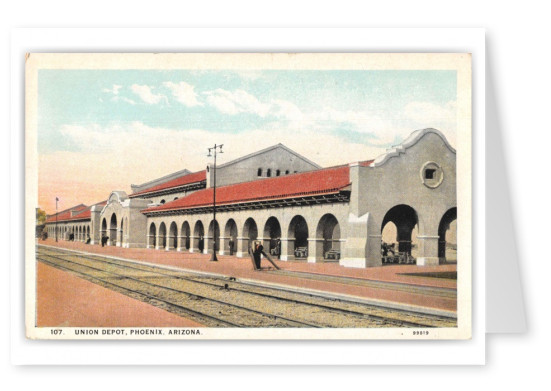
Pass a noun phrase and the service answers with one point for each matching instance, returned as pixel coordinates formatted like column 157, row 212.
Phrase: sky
column 102, row 130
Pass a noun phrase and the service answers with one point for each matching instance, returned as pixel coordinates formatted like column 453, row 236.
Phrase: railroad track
column 221, row 302
column 394, row 286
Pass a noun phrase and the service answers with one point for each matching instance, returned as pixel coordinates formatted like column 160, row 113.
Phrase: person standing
column 258, row 248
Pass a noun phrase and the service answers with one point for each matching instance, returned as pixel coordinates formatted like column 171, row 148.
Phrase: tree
column 40, row 216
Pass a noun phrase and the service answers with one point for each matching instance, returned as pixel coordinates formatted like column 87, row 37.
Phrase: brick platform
column 242, row 268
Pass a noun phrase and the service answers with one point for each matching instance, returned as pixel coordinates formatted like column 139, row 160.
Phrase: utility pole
column 214, row 222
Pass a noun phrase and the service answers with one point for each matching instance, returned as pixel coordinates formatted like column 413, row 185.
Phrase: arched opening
column 162, row 236
column 230, row 233
column 185, row 232
column 399, row 222
column 329, row 230
column 447, row 236
column 163, row 201
column 152, row 236
column 250, row 231
column 298, row 230
column 272, row 237
column 199, row 234
column 123, row 226
column 103, row 227
column 172, row 236
column 113, row 230
column 214, row 234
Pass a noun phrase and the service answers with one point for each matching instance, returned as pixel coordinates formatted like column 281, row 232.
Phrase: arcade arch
column 405, row 218
column 329, row 230
column 152, row 236
column 113, row 230
column 250, row 232
column 185, row 236
column 199, row 236
column 298, row 235
column 172, row 237
column 272, row 236
column 447, row 236
column 161, row 241
column 230, row 232
column 214, row 234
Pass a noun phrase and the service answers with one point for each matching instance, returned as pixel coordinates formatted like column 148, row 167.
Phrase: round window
column 432, row 175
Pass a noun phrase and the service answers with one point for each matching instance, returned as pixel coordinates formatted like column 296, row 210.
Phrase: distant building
column 295, row 207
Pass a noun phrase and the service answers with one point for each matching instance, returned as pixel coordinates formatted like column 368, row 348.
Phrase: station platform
column 231, row 266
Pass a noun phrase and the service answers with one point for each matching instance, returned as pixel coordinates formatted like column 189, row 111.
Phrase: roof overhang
column 306, row 200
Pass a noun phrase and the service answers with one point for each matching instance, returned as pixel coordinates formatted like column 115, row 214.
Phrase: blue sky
column 234, row 102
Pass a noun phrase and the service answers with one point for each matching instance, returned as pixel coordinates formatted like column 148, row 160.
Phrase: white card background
column 268, row 352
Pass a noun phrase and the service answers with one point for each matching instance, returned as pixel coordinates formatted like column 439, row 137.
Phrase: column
column 193, row 244
column 242, row 247
column 158, row 241
column 287, row 247
column 428, row 250
column 315, row 250
column 224, row 249
column 180, row 243
column 208, row 245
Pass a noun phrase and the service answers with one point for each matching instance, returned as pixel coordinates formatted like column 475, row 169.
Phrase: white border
column 262, row 352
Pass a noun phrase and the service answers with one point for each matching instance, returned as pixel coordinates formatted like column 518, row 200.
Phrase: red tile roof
column 329, row 180
column 180, row 181
column 83, row 213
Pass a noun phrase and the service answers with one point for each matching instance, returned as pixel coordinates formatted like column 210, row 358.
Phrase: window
column 286, row 172
column 175, row 198
column 278, row 173
column 268, row 172
column 163, row 201
column 259, row 172
column 429, row 173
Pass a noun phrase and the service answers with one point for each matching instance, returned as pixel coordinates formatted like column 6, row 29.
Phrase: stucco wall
column 245, row 170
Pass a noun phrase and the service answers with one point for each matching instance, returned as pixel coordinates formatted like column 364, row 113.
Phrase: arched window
column 278, row 172
column 269, row 172
column 259, row 172
column 175, row 198
column 163, row 201
column 286, row 172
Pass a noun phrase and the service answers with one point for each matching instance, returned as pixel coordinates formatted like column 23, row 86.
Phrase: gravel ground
column 210, row 296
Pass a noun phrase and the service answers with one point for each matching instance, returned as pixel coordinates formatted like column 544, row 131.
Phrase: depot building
column 297, row 209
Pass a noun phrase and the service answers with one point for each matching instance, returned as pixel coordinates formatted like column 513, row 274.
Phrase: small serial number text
column 421, row 332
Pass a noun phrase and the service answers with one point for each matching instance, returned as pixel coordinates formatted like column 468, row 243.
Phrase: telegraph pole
column 214, row 222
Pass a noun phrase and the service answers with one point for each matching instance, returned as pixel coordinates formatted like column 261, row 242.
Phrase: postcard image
column 248, row 196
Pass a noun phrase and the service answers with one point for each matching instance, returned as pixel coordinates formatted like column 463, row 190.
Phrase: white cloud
column 146, row 94
column 238, row 101
column 123, row 99
column 184, row 93
column 114, row 90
